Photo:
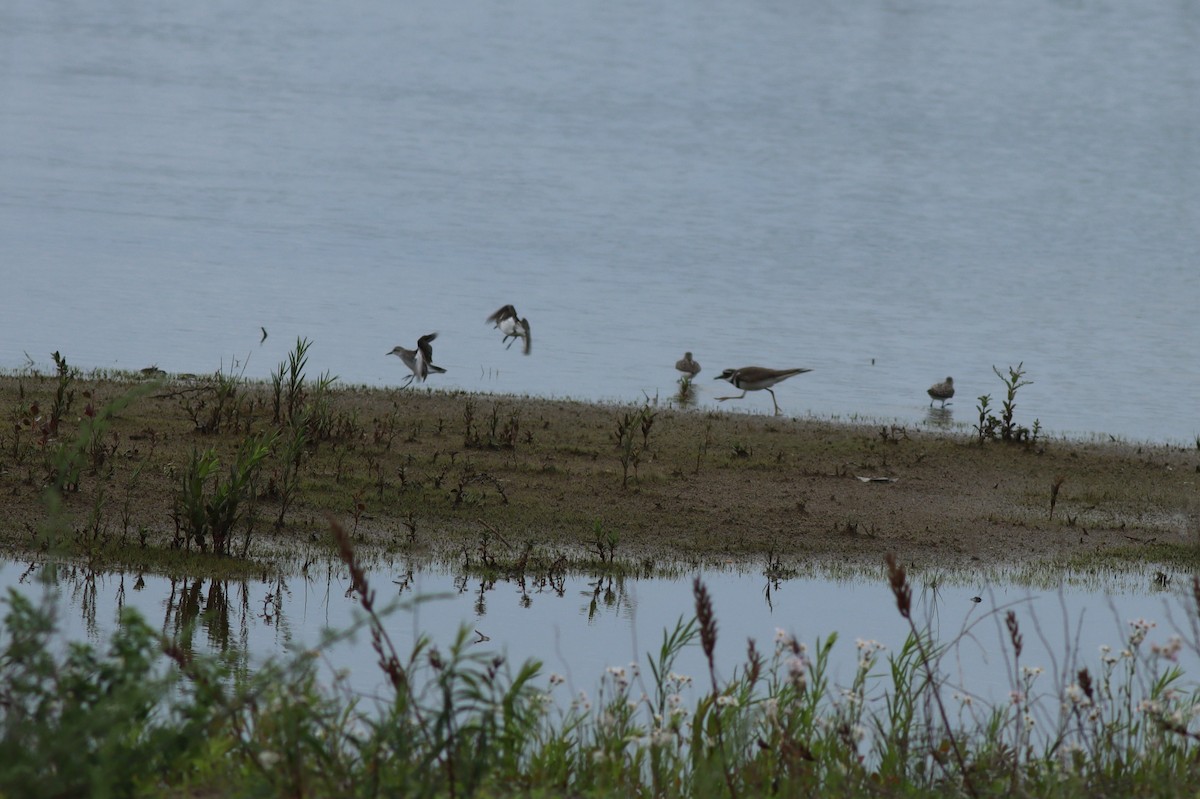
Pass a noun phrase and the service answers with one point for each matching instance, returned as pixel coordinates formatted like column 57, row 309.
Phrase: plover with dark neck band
column 756, row 378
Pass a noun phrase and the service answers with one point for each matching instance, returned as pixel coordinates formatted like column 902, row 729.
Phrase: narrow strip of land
column 479, row 476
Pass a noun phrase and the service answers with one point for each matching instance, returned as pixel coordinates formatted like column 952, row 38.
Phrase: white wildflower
column 661, row 737
column 1140, row 628
column 771, row 710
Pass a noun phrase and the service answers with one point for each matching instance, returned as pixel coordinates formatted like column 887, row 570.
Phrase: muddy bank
column 453, row 475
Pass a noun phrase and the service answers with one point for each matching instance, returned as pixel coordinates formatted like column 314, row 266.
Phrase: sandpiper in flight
column 420, row 360
column 512, row 326
column 755, row 378
column 687, row 365
column 941, row 391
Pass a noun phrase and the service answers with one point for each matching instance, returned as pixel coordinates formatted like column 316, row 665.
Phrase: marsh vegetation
column 218, row 472
column 218, row 475
column 145, row 716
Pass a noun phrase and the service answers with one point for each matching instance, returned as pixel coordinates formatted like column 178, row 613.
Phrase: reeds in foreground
column 142, row 716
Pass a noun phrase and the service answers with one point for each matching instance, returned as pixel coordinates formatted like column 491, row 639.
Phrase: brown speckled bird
column 941, row 391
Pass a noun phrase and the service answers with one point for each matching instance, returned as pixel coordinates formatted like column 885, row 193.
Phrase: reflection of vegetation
column 144, row 715
column 218, row 608
column 685, row 397
column 610, row 594
column 208, row 605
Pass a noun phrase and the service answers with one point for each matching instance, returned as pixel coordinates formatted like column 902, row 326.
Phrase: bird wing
column 424, row 347
column 502, row 313
column 528, row 338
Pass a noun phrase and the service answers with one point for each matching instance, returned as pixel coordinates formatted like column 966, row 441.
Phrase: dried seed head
column 1014, row 632
column 756, row 662
column 1085, row 684
column 706, row 619
column 900, row 587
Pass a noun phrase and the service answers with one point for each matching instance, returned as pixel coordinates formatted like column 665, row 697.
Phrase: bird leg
column 722, row 399
column 772, row 393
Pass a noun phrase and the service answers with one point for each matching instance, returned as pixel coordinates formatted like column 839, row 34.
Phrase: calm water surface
column 581, row 626
column 885, row 193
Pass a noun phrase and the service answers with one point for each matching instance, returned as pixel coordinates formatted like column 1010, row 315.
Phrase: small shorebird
column 687, row 365
column 756, row 378
column 420, row 360
column 512, row 326
column 941, row 391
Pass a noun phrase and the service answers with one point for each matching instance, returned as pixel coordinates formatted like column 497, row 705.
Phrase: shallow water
column 582, row 626
column 884, row 193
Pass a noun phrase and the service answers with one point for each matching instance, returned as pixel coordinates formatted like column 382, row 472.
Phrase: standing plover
column 512, row 326
column 420, row 360
column 941, row 391
column 756, row 378
column 687, row 365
